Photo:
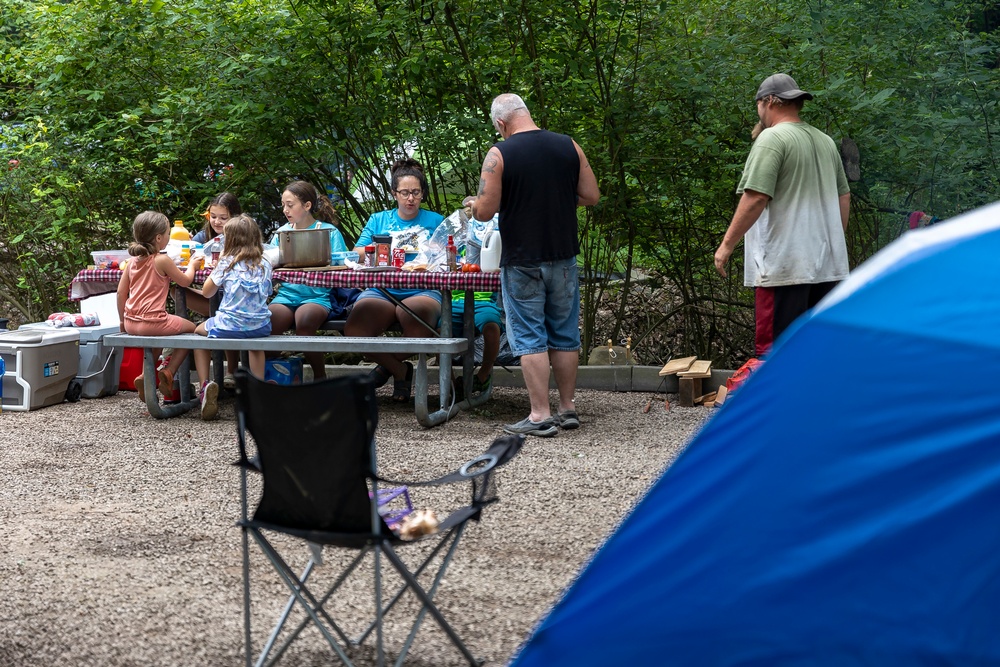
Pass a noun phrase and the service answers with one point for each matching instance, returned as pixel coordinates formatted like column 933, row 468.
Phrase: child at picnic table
column 143, row 288
column 221, row 209
column 488, row 320
column 373, row 312
column 487, row 313
column 301, row 307
column 244, row 276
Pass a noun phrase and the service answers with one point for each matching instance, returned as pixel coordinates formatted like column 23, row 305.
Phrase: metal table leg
column 218, row 356
column 153, row 401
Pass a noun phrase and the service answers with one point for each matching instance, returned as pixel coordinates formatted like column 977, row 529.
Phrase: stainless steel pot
column 304, row 247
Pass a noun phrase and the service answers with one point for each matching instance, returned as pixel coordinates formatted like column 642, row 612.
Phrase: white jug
column 489, row 257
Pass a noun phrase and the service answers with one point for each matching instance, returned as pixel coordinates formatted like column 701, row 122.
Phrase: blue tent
column 843, row 508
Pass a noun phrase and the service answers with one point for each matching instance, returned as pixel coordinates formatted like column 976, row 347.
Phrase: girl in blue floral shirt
column 244, row 276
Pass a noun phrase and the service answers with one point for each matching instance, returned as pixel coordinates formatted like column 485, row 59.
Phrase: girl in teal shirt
column 301, row 307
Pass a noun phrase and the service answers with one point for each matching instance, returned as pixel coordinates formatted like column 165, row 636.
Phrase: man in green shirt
column 793, row 210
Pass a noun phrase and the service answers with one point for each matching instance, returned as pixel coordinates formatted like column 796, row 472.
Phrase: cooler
column 39, row 366
column 99, row 365
column 283, row 371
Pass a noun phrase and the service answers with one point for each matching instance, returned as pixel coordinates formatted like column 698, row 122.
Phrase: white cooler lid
column 38, row 336
column 87, row 334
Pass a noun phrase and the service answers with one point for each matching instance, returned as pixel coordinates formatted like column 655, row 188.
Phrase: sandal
column 380, row 375
column 401, row 388
column 165, row 381
column 479, row 386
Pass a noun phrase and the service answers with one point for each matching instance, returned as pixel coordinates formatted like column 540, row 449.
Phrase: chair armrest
column 503, row 449
column 250, row 463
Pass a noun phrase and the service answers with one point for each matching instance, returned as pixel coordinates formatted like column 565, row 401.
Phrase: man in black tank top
column 536, row 179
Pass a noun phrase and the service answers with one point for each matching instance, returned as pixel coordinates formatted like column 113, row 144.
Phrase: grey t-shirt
column 799, row 239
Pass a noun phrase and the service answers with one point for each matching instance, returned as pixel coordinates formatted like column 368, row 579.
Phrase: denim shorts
column 401, row 294
column 216, row 332
column 542, row 304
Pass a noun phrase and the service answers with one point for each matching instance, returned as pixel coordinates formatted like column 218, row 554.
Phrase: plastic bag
column 174, row 250
column 434, row 253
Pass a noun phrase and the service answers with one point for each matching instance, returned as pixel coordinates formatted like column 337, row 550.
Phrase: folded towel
column 73, row 320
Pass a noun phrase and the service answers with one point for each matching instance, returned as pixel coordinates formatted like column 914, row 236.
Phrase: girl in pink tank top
column 142, row 292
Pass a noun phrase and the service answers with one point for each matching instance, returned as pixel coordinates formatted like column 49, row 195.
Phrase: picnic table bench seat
column 422, row 347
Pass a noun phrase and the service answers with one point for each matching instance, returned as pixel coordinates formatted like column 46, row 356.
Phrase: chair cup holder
column 488, row 462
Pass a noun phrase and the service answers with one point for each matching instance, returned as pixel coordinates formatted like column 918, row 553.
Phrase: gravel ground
column 120, row 546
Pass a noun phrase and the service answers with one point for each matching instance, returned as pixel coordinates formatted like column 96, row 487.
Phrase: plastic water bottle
column 212, row 250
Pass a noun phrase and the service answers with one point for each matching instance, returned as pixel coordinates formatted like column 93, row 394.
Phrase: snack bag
column 411, row 239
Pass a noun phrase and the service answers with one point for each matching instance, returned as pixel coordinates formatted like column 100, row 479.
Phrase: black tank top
column 541, row 170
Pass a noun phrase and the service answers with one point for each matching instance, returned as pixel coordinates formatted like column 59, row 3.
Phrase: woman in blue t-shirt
column 373, row 313
column 302, row 307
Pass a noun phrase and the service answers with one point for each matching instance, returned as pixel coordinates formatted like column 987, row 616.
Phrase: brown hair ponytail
column 145, row 228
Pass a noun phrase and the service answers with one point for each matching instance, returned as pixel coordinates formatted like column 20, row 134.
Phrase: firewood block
column 707, row 400
column 688, row 390
column 720, row 396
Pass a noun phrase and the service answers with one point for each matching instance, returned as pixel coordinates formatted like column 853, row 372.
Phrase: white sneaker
column 209, row 400
column 229, row 382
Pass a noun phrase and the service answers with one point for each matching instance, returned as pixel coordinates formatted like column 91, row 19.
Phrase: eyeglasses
column 406, row 194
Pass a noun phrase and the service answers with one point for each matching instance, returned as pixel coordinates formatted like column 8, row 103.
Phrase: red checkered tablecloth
column 483, row 282
column 92, row 282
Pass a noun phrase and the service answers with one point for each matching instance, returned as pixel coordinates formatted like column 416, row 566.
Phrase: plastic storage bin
column 99, row 365
column 39, row 366
column 109, row 259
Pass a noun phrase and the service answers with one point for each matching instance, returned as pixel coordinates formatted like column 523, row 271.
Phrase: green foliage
column 123, row 106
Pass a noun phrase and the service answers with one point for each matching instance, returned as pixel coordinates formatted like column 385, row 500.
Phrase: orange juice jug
column 178, row 232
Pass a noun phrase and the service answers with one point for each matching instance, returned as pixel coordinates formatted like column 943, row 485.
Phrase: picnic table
column 93, row 282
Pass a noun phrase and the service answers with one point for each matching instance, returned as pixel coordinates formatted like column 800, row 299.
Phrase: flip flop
column 380, row 375
column 401, row 388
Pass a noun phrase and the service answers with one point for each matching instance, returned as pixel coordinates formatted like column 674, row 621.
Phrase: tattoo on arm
column 482, row 187
column 490, row 165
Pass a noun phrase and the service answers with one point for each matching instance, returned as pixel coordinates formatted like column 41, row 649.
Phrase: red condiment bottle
column 452, row 251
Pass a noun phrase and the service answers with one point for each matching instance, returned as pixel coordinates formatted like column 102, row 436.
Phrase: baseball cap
column 783, row 86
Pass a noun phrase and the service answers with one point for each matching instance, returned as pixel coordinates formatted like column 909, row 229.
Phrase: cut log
column 706, row 399
column 687, row 389
column 720, row 396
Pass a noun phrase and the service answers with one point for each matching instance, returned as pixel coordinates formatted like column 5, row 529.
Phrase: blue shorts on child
column 485, row 312
column 215, row 332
